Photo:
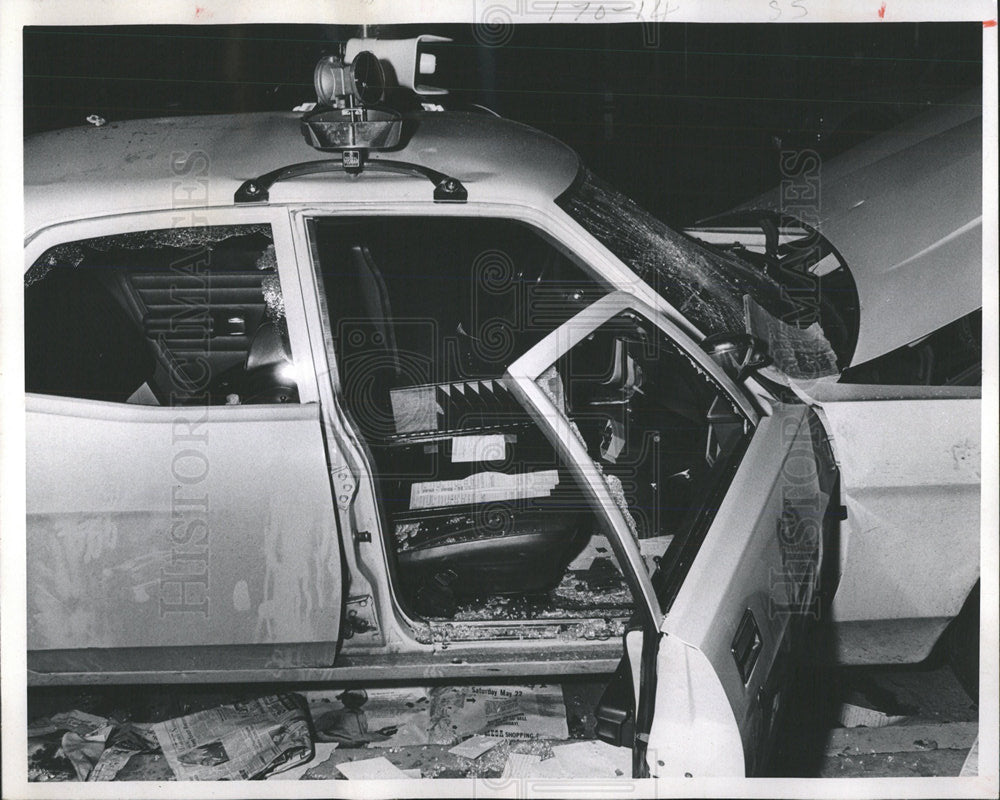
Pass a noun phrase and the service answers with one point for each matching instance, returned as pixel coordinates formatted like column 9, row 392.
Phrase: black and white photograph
column 514, row 398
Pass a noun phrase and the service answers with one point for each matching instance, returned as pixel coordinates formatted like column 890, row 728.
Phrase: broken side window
column 178, row 316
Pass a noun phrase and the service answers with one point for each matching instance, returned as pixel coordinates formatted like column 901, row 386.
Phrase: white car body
column 288, row 519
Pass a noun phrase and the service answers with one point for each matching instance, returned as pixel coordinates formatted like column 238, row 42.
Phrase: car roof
column 136, row 165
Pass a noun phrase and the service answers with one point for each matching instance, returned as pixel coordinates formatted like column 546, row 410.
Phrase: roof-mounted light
column 349, row 89
column 360, row 78
column 346, row 120
column 404, row 60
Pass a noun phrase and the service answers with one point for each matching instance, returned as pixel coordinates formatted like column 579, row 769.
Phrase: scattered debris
column 590, row 629
column 47, row 762
column 474, row 747
column 435, row 760
column 902, row 738
column 371, row 769
column 442, row 731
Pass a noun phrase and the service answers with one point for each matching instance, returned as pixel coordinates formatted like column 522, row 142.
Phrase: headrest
column 268, row 346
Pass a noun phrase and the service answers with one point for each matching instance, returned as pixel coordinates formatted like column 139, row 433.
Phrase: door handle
column 746, row 645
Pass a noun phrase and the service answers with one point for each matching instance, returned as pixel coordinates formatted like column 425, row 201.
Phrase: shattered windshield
column 712, row 290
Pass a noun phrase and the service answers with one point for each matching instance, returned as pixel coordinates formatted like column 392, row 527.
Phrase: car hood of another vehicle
column 904, row 210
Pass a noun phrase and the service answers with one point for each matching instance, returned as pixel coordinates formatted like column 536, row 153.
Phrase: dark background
column 688, row 118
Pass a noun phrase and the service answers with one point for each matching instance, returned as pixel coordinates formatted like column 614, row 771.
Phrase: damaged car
column 362, row 394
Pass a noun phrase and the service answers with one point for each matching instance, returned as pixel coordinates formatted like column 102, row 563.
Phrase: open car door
column 740, row 619
column 715, row 511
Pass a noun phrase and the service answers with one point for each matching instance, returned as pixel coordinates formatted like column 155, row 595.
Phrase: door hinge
column 360, row 617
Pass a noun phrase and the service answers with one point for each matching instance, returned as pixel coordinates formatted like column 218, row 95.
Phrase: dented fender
column 909, row 461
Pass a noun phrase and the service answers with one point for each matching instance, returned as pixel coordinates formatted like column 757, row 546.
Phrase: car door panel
column 694, row 732
column 178, row 528
column 758, row 568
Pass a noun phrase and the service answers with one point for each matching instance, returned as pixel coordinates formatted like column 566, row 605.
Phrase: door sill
column 472, row 663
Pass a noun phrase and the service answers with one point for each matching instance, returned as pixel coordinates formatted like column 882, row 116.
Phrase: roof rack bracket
column 257, row 190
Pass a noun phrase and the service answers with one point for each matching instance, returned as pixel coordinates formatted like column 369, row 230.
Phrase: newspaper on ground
column 77, row 721
column 240, row 741
column 126, row 741
column 397, row 717
column 429, row 760
column 48, row 760
column 322, row 752
column 85, row 749
column 855, row 716
column 374, row 717
column 589, row 760
column 442, row 715
column 96, row 747
column 521, row 765
column 510, row 712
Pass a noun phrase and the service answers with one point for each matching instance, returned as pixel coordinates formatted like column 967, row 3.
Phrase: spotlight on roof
column 350, row 88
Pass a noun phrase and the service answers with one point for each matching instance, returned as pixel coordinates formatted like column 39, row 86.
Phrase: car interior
column 484, row 520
